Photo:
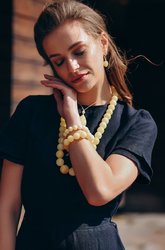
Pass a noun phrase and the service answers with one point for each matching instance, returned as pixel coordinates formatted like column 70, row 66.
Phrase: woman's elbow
column 100, row 197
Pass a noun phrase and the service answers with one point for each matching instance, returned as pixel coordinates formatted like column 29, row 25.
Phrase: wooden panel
column 23, row 70
column 23, row 27
column 20, row 91
column 29, row 7
column 23, row 48
column 27, row 65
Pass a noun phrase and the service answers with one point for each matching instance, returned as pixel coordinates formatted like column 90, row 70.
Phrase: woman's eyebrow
column 70, row 47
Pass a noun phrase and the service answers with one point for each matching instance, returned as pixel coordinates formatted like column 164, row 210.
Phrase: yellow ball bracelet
column 78, row 135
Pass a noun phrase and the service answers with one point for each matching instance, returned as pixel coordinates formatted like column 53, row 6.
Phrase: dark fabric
column 94, row 236
column 50, row 198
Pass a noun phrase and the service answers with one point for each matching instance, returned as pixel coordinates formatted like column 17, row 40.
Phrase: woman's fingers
column 48, row 83
column 58, row 85
column 48, row 76
column 64, row 95
column 53, row 78
column 52, row 82
column 54, row 85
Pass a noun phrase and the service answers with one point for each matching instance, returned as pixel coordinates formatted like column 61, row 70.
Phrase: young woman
column 68, row 157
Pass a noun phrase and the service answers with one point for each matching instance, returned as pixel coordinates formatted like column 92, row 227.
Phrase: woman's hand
column 65, row 96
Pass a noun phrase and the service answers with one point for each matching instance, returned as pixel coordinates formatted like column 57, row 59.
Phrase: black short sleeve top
column 30, row 138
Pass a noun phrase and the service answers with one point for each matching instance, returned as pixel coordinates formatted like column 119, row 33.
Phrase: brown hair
column 59, row 11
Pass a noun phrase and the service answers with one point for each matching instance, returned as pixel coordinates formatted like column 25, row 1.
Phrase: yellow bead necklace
column 84, row 133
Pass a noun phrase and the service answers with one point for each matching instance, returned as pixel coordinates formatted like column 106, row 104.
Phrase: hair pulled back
column 57, row 12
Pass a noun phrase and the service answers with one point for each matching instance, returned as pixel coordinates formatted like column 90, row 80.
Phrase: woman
column 69, row 157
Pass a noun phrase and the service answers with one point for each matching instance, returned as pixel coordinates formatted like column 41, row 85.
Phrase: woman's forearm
column 100, row 180
column 92, row 172
column 10, row 203
column 8, row 230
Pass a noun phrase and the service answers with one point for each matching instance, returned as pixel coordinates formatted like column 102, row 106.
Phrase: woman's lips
column 79, row 78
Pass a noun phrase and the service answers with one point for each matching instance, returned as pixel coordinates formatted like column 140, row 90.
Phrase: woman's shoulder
column 35, row 102
column 137, row 118
column 129, row 112
column 35, row 99
column 32, row 105
column 136, row 137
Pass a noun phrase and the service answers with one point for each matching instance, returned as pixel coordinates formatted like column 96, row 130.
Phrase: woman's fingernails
column 48, row 76
column 43, row 81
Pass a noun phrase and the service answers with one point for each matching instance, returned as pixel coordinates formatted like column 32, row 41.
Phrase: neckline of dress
column 93, row 106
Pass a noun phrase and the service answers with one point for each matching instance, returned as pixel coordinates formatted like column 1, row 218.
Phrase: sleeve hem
column 142, row 165
column 11, row 158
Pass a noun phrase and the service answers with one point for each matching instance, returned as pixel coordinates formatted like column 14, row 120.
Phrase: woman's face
column 76, row 57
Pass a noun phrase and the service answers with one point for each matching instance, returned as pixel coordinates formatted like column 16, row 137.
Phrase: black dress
column 57, row 213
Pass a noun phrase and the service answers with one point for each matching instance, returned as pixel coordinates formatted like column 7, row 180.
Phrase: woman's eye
column 79, row 52
column 59, row 62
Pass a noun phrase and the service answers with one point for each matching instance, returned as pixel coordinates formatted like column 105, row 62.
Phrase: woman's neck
column 99, row 96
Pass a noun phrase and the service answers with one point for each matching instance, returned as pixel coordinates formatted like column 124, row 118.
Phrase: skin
column 82, row 79
column 10, row 203
column 101, row 181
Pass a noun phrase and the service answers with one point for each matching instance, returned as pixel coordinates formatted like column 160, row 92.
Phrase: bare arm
column 10, row 203
column 101, row 181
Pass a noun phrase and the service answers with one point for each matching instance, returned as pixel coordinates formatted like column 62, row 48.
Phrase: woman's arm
column 10, row 203
column 101, row 181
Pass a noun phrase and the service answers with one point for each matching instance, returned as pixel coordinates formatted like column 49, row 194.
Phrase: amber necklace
column 82, row 116
column 64, row 169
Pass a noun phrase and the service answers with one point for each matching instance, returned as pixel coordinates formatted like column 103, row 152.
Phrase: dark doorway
column 5, row 59
column 137, row 27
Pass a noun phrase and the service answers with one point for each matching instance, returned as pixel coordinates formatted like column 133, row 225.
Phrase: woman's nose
column 73, row 65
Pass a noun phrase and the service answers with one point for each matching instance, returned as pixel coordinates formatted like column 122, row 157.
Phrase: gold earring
column 105, row 62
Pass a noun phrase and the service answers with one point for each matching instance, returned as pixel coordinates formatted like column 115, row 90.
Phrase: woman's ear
column 104, row 42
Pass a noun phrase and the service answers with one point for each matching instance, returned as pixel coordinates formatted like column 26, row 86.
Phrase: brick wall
column 27, row 65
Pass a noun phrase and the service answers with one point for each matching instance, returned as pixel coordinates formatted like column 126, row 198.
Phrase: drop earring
column 105, row 62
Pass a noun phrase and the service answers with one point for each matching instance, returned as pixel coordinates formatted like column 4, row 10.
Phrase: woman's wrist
column 73, row 119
